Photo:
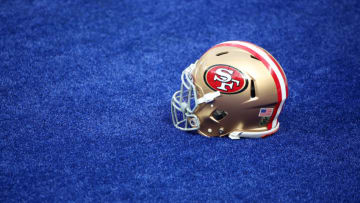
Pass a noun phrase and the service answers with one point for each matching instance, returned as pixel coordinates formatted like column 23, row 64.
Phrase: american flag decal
column 265, row 112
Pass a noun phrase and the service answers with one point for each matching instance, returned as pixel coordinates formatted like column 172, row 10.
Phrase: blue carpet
column 85, row 92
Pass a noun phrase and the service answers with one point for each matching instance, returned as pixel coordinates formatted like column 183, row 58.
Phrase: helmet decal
column 225, row 79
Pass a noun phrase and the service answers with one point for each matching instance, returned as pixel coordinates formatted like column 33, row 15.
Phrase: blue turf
column 85, row 94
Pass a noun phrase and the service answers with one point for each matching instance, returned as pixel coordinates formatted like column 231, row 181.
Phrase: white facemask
column 185, row 101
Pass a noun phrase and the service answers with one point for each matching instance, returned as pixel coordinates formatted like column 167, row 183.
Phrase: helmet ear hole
column 219, row 114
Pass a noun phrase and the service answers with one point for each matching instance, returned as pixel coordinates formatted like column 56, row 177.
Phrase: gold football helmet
column 235, row 89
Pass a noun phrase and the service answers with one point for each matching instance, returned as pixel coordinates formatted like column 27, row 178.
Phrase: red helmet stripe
column 279, row 106
column 282, row 74
column 266, row 62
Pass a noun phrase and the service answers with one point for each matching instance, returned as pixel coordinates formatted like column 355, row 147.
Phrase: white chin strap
column 237, row 135
column 209, row 97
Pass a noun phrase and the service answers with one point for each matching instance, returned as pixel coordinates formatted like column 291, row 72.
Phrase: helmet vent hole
column 222, row 53
column 252, row 90
column 254, row 57
column 218, row 114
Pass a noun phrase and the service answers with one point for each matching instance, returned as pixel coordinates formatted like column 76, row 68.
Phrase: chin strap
column 237, row 134
column 209, row 97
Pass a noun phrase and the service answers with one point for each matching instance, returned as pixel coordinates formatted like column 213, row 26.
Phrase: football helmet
column 235, row 89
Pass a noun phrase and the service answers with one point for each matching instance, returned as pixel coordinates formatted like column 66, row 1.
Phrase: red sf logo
column 226, row 79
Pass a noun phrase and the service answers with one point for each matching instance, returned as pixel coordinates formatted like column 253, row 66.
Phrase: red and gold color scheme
column 235, row 89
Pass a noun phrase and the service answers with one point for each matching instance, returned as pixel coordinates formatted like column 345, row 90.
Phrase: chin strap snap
column 237, row 135
column 209, row 97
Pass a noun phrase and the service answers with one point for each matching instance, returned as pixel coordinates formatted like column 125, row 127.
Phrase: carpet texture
column 85, row 89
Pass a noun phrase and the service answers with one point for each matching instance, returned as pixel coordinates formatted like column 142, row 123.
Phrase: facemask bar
column 184, row 102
